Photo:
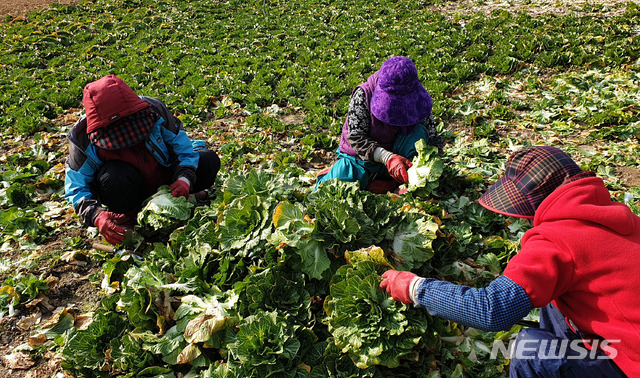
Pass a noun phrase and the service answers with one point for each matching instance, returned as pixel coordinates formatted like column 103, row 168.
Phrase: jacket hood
column 107, row 100
column 587, row 200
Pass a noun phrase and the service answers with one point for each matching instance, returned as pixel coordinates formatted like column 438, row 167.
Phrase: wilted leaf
column 59, row 322
column 42, row 300
column 188, row 354
column 29, row 321
column 37, row 340
column 201, row 328
column 75, row 258
column 17, row 361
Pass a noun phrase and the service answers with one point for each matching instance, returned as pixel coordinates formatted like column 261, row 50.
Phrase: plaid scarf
column 126, row 132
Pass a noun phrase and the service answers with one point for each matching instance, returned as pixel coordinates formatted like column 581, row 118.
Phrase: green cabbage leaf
column 266, row 346
column 426, row 169
column 412, row 240
column 366, row 323
column 162, row 211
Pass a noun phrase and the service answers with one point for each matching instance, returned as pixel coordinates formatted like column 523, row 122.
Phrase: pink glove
column 396, row 284
column 397, row 166
column 180, row 188
column 108, row 226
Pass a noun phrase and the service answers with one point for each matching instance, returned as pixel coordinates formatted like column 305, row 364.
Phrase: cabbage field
column 269, row 277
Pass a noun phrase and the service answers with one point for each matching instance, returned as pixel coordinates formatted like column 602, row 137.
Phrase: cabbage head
column 162, row 211
column 364, row 322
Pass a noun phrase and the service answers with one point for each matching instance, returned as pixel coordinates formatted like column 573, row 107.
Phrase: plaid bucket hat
column 116, row 117
column 399, row 98
column 531, row 174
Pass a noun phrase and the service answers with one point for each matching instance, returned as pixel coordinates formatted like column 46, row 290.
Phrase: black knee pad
column 119, row 186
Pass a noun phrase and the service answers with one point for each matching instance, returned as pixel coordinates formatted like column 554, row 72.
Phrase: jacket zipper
column 156, row 151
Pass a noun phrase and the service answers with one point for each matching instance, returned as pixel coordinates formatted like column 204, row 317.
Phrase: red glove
column 108, row 225
column 396, row 283
column 180, row 188
column 397, row 166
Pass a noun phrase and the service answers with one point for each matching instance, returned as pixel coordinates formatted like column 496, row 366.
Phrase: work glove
column 180, row 188
column 397, row 284
column 397, row 166
column 109, row 226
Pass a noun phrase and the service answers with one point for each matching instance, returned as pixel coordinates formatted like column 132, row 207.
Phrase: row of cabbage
column 275, row 279
column 303, row 54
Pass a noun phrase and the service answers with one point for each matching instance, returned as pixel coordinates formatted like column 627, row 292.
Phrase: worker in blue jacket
column 122, row 150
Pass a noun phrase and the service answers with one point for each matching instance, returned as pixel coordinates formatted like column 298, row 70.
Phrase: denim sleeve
column 495, row 308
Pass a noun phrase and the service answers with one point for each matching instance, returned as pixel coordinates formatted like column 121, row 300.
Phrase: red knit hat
column 107, row 100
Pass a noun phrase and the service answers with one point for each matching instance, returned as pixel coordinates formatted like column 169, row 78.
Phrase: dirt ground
column 17, row 7
column 605, row 8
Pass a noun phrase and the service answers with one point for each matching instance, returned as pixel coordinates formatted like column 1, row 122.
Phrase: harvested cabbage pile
column 162, row 211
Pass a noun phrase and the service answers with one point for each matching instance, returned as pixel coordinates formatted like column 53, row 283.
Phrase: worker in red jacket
column 579, row 263
column 122, row 150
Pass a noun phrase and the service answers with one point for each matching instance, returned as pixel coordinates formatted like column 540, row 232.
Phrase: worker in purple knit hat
column 387, row 115
column 122, row 150
column 579, row 263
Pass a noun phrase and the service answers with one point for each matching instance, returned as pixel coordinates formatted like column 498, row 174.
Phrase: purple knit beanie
column 399, row 98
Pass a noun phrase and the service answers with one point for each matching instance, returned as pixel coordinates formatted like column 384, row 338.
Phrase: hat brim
column 401, row 110
column 505, row 198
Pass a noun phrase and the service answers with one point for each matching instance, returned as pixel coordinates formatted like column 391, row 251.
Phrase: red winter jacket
column 584, row 253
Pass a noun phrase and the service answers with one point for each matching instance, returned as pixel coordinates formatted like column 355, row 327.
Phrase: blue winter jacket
column 167, row 142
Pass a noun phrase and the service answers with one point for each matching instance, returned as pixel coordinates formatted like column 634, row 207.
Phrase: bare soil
column 603, row 8
column 17, row 7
